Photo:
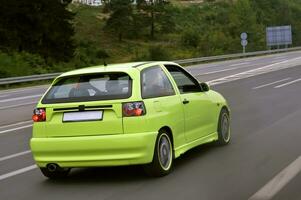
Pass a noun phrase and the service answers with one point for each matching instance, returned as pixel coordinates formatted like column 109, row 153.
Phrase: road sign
column 244, row 36
column 244, row 43
column 279, row 35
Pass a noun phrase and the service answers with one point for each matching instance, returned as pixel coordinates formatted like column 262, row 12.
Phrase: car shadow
column 128, row 174
column 101, row 174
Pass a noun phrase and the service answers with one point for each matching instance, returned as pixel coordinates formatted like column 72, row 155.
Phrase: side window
column 184, row 81
column 155, row 83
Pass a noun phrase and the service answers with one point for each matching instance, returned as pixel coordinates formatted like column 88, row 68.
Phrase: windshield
column 91, row 87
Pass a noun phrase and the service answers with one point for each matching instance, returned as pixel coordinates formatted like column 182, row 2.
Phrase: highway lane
column 207, row 71
column 21, row 102
column 216, row 70
column 15, row 141
column 12, row 100
column 266, row 139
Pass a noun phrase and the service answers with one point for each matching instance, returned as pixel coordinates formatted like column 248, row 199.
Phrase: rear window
column 91, row 87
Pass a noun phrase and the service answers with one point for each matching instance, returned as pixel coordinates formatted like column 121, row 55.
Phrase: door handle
column 185, row 101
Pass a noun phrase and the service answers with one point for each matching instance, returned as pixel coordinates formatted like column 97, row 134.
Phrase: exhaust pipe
column 52, row 167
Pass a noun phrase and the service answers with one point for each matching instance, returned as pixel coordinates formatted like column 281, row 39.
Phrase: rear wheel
column 224, row 133
column 163, row 156
column 55, row 174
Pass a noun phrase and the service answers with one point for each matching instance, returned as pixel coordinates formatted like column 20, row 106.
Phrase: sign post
column 244, row 41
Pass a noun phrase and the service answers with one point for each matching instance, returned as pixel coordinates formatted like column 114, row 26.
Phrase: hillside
column 183, row 29
column 91, row 35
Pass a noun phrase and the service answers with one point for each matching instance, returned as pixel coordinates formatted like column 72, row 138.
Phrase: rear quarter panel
column 160, row 112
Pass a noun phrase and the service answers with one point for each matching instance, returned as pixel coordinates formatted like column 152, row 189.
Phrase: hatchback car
column 125, row 114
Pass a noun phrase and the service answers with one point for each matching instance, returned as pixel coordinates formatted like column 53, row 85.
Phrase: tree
column 41, row 27
column 156, row 15
column 243, row 19
column 120, row 20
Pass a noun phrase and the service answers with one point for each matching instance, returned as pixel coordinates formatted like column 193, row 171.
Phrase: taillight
column 133, row 109
column 39, row 115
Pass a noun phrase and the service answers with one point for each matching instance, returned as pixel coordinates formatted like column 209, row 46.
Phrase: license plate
column 82, row 116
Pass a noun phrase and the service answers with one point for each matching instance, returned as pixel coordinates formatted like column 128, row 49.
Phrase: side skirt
column 207, row 139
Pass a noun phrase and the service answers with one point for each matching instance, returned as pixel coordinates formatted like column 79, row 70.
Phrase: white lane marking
column 16, row 124
column 14, row 155
column 278, row 60
column 238, row 64
column 268, row 191
column 282, row 57
column 1, row 96
column 15, row 129
column 17, row 172
column 223, row 64
column 18, row 105
column 20, row 98
column 253, row 72
column 217, row 71
column 278, row 57
column 268, row 84
column 289, row 83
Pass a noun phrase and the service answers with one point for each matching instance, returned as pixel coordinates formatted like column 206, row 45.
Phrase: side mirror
column 205, row 87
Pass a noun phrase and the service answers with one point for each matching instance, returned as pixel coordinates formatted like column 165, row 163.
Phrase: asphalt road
column 262, row 162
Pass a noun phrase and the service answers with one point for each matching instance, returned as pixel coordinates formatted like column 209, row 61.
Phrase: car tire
column 57, row 174
column 163, row 156
column 224, row 132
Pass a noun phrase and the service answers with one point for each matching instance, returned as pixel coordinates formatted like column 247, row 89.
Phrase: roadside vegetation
column 41, row 36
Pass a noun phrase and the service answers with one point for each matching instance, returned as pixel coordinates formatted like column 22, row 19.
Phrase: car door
column 163, row 105
column 196, row 103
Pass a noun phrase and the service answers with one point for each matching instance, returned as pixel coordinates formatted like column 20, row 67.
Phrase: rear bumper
column 93, row 151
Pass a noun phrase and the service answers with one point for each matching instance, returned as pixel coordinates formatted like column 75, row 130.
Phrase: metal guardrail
column 231, row 56
column 24, row 79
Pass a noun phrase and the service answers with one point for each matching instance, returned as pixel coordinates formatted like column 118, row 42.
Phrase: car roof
column 114, row 67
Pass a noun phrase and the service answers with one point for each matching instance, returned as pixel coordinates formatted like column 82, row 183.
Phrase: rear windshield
column 91, row 87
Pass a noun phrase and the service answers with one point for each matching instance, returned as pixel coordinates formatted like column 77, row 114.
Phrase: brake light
column 133, row 109
column 39, row 115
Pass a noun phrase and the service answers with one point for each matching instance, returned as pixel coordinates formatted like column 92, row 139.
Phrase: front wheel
column 224, row 133
column 163, row 156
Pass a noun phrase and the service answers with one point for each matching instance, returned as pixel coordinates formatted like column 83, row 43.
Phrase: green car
column 125, row 114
